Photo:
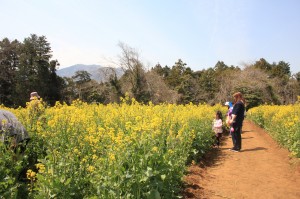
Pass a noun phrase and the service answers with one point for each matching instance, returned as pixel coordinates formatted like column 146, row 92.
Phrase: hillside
column 98, row 73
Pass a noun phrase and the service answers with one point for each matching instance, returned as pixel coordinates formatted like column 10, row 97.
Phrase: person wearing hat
column 228, row 115
column 230, row 107
column 34, row 95
column 35, row 106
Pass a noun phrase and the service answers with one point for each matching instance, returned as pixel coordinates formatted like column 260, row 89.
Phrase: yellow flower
column 91, row 169
column 40, row 167
column 155, row 149
column 94, row 157
column 76, row 151
column 112, row 157
column 30, row 174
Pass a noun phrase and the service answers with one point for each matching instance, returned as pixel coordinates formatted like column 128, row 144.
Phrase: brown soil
column 261, row 170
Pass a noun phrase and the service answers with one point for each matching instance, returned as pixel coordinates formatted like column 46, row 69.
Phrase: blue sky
column 200, row 32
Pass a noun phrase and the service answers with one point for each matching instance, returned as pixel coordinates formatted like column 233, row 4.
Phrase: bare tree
column 227, row 82
column 158, row 89
column 134, row 73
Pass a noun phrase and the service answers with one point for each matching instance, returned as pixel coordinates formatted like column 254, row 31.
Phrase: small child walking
column 218, row 127
column 228, row 116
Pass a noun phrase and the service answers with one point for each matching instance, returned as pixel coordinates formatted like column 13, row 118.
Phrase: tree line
column 27, row 66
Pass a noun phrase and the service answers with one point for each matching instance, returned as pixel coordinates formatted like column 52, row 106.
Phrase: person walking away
column 218, row 127
column 236, row 121
column 36, row 109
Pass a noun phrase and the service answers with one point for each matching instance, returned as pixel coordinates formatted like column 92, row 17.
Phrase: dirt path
column 261, row 170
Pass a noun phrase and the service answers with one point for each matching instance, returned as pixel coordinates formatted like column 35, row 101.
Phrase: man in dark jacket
column 12, row 132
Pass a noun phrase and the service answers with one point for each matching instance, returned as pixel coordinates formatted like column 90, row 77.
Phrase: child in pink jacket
column 218, row 127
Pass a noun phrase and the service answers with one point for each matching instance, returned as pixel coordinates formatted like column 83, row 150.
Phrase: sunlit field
column 125, row 150
column 281, row 122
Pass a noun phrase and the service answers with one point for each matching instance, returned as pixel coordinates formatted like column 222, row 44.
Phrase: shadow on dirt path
column 261, row 170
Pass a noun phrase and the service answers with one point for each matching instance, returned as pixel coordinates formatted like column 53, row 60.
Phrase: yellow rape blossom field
column 281, row 122
column 126, row 150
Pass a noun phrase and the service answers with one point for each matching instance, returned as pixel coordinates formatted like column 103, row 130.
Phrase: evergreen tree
column 9, row 61
column 36, row 71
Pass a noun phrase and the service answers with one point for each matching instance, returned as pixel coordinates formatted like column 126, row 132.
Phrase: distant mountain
column 98, row 73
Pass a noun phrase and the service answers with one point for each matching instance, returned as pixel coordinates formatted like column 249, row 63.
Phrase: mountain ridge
column 98, row 72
